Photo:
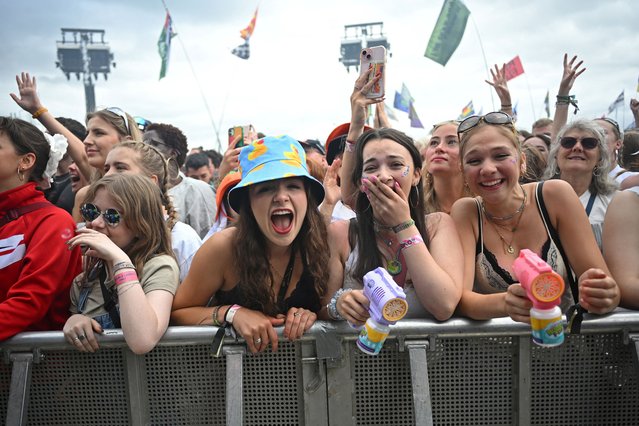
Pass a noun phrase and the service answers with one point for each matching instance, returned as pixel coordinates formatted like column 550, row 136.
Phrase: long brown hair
column 370, row 257
column 139, row 201
column 251, row 254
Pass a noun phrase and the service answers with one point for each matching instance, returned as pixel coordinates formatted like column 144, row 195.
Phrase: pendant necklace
column 508, row 246
column 393, row 266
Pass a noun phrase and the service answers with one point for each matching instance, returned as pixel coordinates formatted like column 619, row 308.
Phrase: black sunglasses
column 91, row 212
column 586, row 143
column 496, row 118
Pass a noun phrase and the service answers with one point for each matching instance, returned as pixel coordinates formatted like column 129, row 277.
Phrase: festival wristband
column 349, row 146
column 217, row 322
column 230, row 313
column 405, row 225
column 126, row 276
column 414, row 240
column 122, row 265
column 39, row 112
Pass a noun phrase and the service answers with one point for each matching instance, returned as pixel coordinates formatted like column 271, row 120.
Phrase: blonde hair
column 152, row 162
column 117, row 122
column 139, row 201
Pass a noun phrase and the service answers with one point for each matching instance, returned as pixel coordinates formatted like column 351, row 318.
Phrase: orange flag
column 247, row 32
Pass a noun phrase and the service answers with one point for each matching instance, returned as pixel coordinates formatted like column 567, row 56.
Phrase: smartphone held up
column 246, row 133
column 373, row 62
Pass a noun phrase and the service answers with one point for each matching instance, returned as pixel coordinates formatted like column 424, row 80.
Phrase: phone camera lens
column 368, row 56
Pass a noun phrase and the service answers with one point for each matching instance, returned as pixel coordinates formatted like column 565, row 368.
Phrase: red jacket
column 36, row 267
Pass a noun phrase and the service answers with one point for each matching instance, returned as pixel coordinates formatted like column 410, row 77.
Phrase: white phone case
column 374, row 58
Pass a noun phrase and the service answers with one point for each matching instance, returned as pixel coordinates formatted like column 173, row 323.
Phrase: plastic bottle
column 547, row 326
column 372, row 336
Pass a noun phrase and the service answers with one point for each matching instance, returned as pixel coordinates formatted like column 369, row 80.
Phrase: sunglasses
column 91, row 212
column 142, row 123
column 495, row 118
column 117, row 111
column 586, row 143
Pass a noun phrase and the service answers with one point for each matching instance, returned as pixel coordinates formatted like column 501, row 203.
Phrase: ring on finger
column 257, row 341
column 297, row 314
column 81, row 337
column 76, row 339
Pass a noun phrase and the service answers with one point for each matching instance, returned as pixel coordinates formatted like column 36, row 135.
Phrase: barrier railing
column 459, row 372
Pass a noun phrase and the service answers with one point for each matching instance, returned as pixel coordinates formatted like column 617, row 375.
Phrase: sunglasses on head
column 495, row 118
column 117, row 111
column 586, row 143
column 91, row 212
column 611, row 121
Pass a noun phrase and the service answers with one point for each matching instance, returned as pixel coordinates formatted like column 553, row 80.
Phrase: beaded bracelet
column 409, row 242
column 331, row 308
column 217, row 322
column 403, row 225
column 122, row 265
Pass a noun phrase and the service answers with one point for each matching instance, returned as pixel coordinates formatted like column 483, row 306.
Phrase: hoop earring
column 416, row 203
column 20, row 174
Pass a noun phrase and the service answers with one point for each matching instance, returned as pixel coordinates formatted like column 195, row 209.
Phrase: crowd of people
column 118, row 225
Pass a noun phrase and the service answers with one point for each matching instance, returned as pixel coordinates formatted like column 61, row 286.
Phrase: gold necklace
column 508, row 246
column 507, row 217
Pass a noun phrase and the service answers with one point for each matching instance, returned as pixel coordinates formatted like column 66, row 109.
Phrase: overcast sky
column 293, row 82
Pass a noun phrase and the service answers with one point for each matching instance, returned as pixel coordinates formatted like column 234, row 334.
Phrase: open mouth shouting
column 282, row 221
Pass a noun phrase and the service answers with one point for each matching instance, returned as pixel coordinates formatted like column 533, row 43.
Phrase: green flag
column 164, row 44
column 448, row 31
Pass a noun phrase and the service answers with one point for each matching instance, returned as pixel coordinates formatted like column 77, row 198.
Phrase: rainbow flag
column 467, row 111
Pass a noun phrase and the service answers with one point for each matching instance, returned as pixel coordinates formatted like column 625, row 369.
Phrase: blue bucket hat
column 273, row 158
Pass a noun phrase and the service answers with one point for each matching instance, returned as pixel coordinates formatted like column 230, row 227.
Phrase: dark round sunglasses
column 496, row 118
column 91, row 212
column 569, row 142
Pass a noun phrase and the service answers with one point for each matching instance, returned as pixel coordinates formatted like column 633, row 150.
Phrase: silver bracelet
column 122, row 265
column 331, row 308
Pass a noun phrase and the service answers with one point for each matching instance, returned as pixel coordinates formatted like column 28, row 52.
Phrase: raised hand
column 28, row 90
column 500, row 84
column 231, row 159
column 571, row 71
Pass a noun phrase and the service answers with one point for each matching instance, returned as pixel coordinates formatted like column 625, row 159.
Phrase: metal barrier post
column 18, row 403
column 135, row 366
column 314, row 385
column 419, row 378
column 634, row 340
column 340, row 389
column 523, row 381
column 234, row 390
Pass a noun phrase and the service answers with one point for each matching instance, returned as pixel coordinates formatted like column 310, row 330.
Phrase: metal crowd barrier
column 459, row 372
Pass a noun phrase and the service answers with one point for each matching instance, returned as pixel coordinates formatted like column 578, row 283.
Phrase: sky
column 293, row 82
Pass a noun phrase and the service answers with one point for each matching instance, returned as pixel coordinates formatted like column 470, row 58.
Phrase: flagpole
column 532, row 103
column 199, row 86
column 481, row 46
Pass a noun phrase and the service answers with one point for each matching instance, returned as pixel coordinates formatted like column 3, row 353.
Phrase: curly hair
column 600, row 182
column 370, row 257
column 139, row 201
column 174, row 138
column 251, row 254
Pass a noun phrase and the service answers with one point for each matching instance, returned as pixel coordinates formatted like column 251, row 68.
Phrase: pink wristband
column 349, row 146
column 414, row 240
column 125, row 276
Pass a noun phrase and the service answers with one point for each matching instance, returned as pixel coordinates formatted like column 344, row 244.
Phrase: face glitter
column 405, row 173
